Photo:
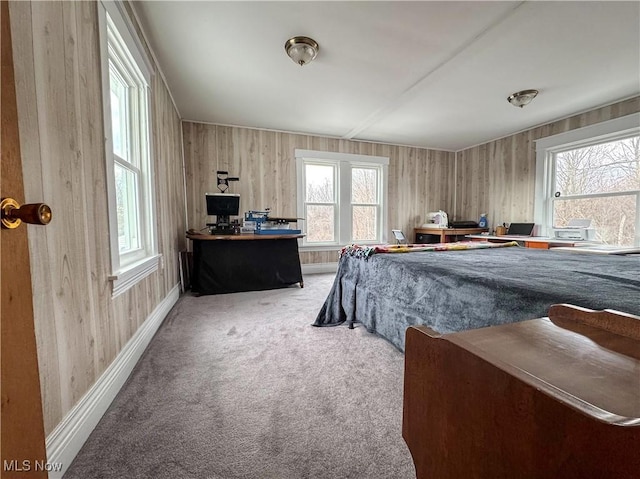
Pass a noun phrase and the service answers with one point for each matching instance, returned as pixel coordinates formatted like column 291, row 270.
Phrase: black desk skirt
column 231, row 266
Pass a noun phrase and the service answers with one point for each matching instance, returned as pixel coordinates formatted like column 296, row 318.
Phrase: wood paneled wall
column 80, row 328
column 498, row 178
column 419, row 180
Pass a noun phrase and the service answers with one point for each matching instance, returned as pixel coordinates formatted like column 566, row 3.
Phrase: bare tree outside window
column 364, row 201
column 600, row 182
column 342, row 200
column 320, row 203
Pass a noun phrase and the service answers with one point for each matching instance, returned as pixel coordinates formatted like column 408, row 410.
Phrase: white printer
column 576, row 229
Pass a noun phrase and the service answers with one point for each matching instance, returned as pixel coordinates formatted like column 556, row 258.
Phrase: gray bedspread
column 457, row 290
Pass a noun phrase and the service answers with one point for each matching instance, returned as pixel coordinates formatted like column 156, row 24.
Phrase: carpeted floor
column 242, row 386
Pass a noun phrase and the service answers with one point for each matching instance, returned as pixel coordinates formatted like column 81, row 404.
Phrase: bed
column 451, row 291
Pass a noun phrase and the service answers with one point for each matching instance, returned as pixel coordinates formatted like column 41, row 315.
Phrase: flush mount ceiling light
column 522, row 98
column 301, row 49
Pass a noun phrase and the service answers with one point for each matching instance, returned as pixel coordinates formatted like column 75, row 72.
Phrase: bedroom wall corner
column 419, row 179
column 498, row 177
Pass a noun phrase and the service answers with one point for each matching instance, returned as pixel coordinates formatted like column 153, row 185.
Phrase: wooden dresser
column 555, row 397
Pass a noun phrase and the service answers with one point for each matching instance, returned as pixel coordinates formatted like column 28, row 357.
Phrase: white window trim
column 610, row 130
column 134, row 272
column 123, row 278
column 127, row 31
column 346, row 159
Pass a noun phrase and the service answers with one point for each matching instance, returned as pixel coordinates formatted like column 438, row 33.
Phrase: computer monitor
column 222, row 205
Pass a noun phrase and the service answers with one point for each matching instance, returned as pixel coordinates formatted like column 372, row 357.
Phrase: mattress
column 452, row 291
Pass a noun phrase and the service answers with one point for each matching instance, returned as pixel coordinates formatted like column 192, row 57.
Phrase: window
column 126, row 79
column 592, row 173
column 342, row 198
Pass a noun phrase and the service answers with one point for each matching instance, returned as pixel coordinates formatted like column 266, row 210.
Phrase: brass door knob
column 13, row 214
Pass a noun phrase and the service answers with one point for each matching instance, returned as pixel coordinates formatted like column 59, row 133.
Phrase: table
column 551, row 397
column 539, row 242
column 445, row 234
column 247, row 262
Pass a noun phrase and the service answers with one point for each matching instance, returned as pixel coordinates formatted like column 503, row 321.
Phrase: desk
column 554, row 397
column 234, row 263
column 444, row 234
column 531, row 241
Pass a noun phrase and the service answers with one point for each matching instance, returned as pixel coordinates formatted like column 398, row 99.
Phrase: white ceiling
column 429, row 74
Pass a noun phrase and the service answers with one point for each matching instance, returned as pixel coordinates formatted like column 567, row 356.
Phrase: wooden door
column 23, row 452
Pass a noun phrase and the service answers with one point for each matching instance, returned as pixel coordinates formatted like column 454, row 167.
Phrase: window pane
column 127, row 209
column 119, row 114
column 365, row 223
column 319, row 186
column 604, row 168
column 364, row 185
column 320, row 223
column 612, row 217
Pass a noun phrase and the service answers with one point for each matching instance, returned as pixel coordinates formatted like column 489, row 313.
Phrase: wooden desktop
column 538, row 242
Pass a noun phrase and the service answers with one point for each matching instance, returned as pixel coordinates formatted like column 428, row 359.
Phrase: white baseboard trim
column 312, row 268
column 66, row 440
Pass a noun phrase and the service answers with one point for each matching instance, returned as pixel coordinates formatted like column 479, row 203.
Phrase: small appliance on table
column 576, row 229
column 260, row 223
column 436, row 219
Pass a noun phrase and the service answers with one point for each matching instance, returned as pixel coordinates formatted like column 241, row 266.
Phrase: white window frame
column 546, row 149
column 127, row 269
column 343, row 162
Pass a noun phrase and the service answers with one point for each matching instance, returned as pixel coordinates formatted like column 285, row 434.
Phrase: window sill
column 132, row 274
